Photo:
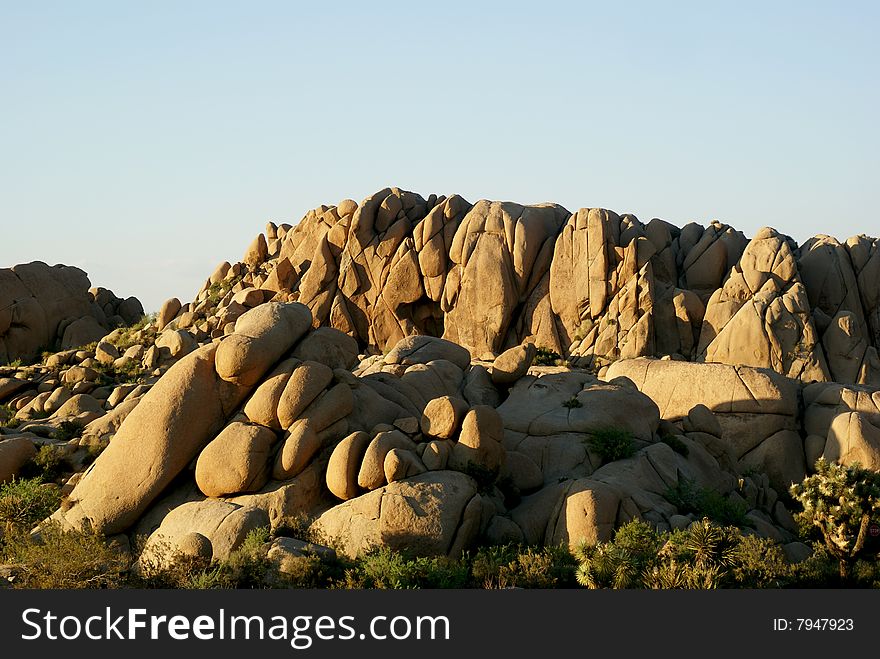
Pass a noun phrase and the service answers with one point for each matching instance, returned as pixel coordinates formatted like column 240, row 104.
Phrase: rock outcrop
column 431, row 374
column 592, row 286
column 44, row 307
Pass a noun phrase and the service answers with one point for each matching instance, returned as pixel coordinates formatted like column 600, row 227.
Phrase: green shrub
column 7, row 417
column 484, row 477
column 142, row 332
column 547, row 357
column 675, row 444
column 25, row 502
column 621, row 563
column 6, row 412
column 63, row 559
column 47, row 465
column 690, row 498
column 67, row 430
column 131, row 372
column 514, row 566
column 612, row 444
column 572, row 403
column 388, row 569
column 840, row 501
column 703, row 556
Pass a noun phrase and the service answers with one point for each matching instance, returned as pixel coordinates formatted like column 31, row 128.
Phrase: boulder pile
column 429, row 375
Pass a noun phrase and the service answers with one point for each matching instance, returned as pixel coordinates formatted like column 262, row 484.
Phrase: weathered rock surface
column 422, row 515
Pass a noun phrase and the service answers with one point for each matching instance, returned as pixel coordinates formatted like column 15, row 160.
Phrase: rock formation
column 43, row 307
column 387, row 369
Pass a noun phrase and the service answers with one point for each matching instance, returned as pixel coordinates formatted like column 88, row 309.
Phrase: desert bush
column 388, row 569
column 688, row 497
column 621, row 563
column 63, row 559
column 131, row 372
column 7, row 417
column 703, row 556
column 515, row 566
column 547, row 357
column 67, row 430
column 47, row 465
column 612, row 443
column 25, row 502
column 840, row 502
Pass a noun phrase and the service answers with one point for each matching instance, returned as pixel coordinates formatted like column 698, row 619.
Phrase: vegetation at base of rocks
column 612, row 443
column 246, row 567
column 387, row 569
column 484, row 477
column 675, row 444
column 142, row 332
column 493, row 567
column 703, row 556
column 547, row 357
column 26, row 501
column 131, row 372
column 55, row 558
column 7, row 417
column 688, row 497
column 502, row 566
column 67, row 430
column 841, row 502
column 47, row 465
column 514, row 566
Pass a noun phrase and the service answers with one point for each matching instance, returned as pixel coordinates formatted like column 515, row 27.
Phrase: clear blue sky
column 147, row 142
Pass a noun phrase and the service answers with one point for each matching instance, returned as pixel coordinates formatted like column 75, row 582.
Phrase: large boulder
column 168, row 428
column 853, row 438
column 577, row 402
column 224, row 525
column 237, row 460
column 422, row 515
column 761, row 315
column 425, row 349
column 261, row 337
column 15, row 452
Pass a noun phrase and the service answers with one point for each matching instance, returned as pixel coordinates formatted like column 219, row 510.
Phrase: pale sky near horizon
column 147, row 142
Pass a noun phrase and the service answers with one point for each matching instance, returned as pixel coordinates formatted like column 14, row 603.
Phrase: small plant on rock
column 688, row 497
column 547, row 357
column 612, row 444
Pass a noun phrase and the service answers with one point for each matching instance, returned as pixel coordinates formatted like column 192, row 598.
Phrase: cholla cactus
column 840, row 500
